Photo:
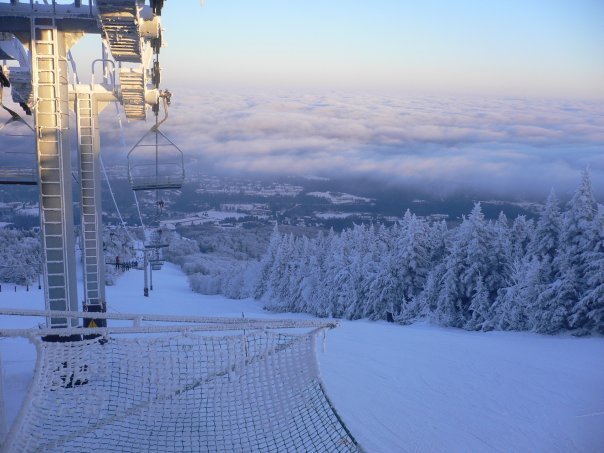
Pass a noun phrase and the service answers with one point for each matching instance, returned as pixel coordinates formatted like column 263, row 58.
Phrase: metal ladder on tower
column 49, row 74
column 92, row 245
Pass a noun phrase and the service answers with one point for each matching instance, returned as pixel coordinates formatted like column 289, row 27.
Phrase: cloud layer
column 498, row 146
column 504, row 146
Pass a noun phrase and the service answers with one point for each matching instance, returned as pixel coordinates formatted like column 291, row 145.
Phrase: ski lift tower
column 40, row 85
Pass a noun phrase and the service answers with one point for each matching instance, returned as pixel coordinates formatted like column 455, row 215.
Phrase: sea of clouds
column 506, row 146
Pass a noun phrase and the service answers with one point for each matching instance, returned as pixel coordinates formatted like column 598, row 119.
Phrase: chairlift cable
column 74, row 68
column 138, row 208
column 123, row 140
column 114, row 202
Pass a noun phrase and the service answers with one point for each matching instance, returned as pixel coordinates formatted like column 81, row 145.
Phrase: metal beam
column 18, row 24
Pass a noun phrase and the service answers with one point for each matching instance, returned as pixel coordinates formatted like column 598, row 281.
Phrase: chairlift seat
column 155, row 182
column 155, row 162
column 156, row 245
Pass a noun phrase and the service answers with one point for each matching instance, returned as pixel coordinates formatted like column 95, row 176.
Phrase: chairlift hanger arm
column 15, row 117
column 166, row 97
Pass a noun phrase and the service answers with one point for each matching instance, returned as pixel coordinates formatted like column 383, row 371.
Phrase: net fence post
column 2, row 410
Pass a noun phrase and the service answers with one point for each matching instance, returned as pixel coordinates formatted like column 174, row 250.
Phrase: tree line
column 22, row 257
column 544, row 275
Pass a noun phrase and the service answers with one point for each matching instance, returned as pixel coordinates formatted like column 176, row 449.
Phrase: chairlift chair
column 155, row 260
column 155, row 162
column 156, row 263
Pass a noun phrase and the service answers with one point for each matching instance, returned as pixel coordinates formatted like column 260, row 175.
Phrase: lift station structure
column 36, row 37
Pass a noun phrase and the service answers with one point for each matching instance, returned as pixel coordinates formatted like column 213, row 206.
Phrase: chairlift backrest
column 155, row 162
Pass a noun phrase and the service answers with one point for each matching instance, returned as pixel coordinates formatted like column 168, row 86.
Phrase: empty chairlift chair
column 154, row 246
column 155, row 162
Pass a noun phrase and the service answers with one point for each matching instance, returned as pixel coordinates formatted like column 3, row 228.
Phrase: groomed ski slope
column 413, row 388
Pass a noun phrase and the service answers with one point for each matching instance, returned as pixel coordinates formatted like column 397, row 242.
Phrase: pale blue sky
column 512, row 47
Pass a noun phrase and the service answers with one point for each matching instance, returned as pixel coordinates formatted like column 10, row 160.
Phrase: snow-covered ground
column 333, row 215
column 211, row 216
column 339, row 198
column 415, row 388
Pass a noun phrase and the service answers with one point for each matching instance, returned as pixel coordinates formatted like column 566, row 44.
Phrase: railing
column 182, row 323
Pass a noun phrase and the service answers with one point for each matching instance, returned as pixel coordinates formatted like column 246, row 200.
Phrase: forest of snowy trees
column 21, row 256
column 545, row 275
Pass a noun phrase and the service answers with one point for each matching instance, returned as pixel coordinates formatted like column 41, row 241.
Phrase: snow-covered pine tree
column 551, row 311
column 21, row 256
column 515, row 304
column 382, row 293
column 438, row 239
column 266, row 263
column 364, row 267
column 480, row 308
column 470, row 255
column 546, row 241
column 323, row 291
column 503, row 239
column 330, row 287
column 276, row 282
column 428, row 300
column 588, row 313
column 344, row 279
column 521, row 235
column 314, row 256
column 299, row 268
column 414, row 261
column 555, row 304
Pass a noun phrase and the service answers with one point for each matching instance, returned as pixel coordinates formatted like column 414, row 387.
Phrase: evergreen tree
column 588, row 313
column 414, row 260
column 577, row 232
column 266, row 263
column 521, row 236
column 471, row 256
column 546, row 241
column 569, row 266
column 383, row 285
column 513, row 309
column 480, row 308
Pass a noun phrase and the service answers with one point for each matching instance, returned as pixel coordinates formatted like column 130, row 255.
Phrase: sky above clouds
column 552, row 48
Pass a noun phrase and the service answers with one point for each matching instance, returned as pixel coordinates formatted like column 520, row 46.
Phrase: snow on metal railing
column 193, row 323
